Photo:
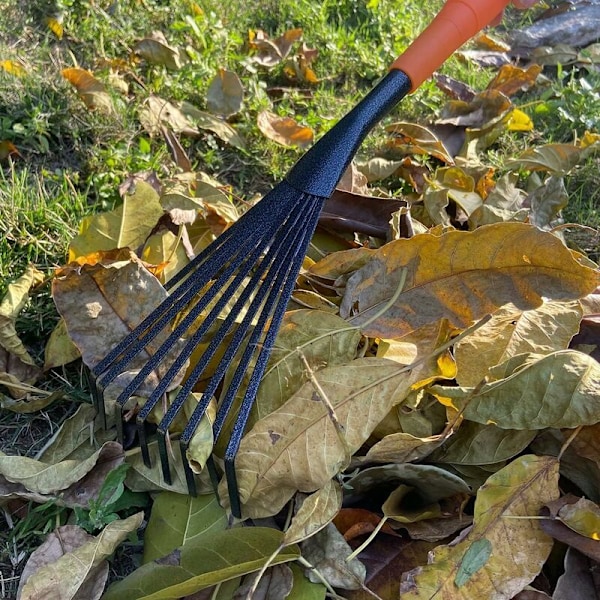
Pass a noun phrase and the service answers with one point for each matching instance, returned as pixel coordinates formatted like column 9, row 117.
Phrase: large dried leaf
column 158, row 52
column 272, row 52
column 555, row 158
column 45, row 478
column 409, row 138
column 157, row 112
column 225, row 94
column 462, row 276
column 127, row 226
column 284, row 130
column 72, row 575
column 101, row 304
column 477, row 444
column 510, row 331
column 179, row 519
column 275, row 583
column 209, row 122
column 322, row 339
column 402, row 448
column 558, row 390
column 580, row 578
column 61, row 541
column 298, row 447
column 210, row 559
column 505, row 550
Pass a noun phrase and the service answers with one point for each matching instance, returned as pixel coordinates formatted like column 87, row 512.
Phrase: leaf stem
column 368, row 540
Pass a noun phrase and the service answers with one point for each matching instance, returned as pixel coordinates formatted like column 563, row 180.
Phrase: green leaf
column 475, row 559
column 127, row 226
column 204, row 561
column 560, row 390
column 180, row 519
column 303, row 588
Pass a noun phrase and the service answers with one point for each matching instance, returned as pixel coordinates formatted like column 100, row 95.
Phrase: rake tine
column 203, row 268
column 233, row 346
column 289, row 280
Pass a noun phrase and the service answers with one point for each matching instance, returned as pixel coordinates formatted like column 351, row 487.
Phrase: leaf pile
column 425, row 397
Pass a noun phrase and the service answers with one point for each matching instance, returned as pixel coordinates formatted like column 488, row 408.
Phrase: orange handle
column 456, row 23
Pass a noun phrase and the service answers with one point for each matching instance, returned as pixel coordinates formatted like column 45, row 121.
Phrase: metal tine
column 263, row 357
column 204, row 267
column 243, row 264
column 135, row 344
column 272, row 255
column 191, row 343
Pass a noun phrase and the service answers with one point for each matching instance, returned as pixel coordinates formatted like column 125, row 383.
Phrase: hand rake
column 246, row 276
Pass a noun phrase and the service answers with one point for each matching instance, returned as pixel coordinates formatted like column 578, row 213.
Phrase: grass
column 72, row 160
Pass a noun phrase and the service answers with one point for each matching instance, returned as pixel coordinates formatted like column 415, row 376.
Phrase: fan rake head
column 238, row 288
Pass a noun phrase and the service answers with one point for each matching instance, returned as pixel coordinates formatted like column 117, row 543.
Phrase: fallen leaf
column 580, row 578
column 558, row 159
column 157, row 113
column 447, row 279
column 59, row 350
column 327, row 551
column 64, row 540
column 81, row 570
column 225, row 94
column 297, row 447
column 582, row 517
column 536, row 392
column 13, row 67
column 303, row 588
column 276, row 582
column 511, row 79
column 284, row 130
column 505, row 550
column 410, row 138
column 158, row 52
column 210, row 559
column 95, row 303
column 315, row 513
column 67, row 476
column 511, row 331
column 127, row 226
column 209, row 122
column 90, row 90
column 179, row 519
column 17, row 359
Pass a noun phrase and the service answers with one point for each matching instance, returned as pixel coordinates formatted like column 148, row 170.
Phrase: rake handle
column 456, row 23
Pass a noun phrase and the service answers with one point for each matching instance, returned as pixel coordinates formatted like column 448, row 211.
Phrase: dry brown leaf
column 284, row 130
column 462, row 276
column 225, row 94
column 90, row 90
column 298, row 447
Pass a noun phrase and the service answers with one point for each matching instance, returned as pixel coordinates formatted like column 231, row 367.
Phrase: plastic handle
column 455, row 24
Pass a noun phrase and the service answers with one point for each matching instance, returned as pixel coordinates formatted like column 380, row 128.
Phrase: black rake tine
column 204, row 267
column 233, row 346
column 133, row 344
column 187, row 351
column 258, row 306
column 263, row 357
column 246, row 263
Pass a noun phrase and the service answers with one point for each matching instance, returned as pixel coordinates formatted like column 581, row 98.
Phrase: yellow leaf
column 13, row 67
column 506, row 548
column 582, row 517
column 511, row 331
column 90, row 90
column 519, row 121
column 284, row 130
column 462, row 276
column 55, row 26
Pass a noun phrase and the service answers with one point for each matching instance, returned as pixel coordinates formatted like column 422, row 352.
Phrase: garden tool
column 242, row 282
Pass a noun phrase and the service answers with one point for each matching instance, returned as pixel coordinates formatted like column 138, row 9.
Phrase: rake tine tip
column 164, row 456
column 189, row 474
column 143, row 439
